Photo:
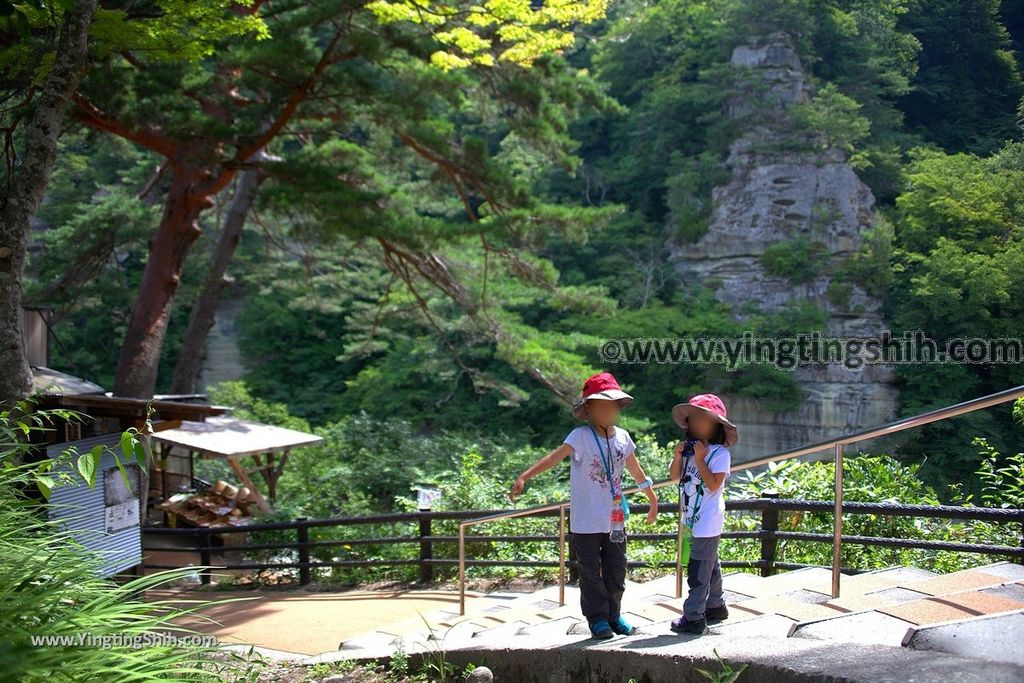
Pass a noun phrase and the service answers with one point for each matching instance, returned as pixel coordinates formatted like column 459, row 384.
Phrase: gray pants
column 704, row 577
column 602, row 567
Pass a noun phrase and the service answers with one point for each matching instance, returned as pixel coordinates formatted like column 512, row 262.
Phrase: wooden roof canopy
column 224, row 436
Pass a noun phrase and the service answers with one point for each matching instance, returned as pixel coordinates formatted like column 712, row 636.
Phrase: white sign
column 123, row 515
column 425, row 498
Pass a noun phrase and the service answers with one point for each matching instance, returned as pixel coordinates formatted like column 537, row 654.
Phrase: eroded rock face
column 777, row 196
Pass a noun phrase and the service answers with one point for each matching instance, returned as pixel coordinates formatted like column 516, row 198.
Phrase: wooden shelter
column 248, row 447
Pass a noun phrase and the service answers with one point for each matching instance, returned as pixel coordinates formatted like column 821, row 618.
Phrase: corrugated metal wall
column 83, row 510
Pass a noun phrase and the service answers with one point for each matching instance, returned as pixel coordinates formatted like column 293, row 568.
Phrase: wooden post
column 204, row 555
column 261, row 502
column 769, row 543
column 302, row 532
column 426, row 549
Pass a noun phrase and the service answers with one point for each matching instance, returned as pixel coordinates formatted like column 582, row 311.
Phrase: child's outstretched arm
column 542, row 465
column 633, row 465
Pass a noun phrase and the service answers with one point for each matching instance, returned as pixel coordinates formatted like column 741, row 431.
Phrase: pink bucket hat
column 710, row 404
column 603, row 385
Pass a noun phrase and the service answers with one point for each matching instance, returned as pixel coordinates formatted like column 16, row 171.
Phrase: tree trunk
column 179, row 228
column 200, row 322
column 27, row 185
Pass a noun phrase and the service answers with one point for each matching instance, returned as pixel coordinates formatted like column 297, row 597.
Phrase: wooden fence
column 769, row 506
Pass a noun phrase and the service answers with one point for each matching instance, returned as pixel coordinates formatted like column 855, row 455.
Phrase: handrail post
column 302, row 534
column 462, row 569
column 561, row 555
column 574, row 567
column 769, row 541
column 679, row 561
column 837, row 522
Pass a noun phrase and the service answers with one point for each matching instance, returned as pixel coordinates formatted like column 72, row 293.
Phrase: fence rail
column 769, row 506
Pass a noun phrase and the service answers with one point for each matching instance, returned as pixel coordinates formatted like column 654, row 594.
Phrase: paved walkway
column 306, row 622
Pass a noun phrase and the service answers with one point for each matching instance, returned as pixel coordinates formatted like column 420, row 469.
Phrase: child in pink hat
column 600, row 452
column 701, row 466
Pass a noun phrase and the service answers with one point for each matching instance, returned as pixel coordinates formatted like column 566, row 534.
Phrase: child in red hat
column 600, row 451
column 701, row 465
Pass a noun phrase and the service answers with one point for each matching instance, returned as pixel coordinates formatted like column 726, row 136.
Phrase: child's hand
column 652, row 514
column 700, row 450
column 679, row 448
column 517, row 488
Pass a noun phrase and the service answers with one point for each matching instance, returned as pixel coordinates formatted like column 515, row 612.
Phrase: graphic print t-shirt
column 706, row 511
column 590, row 496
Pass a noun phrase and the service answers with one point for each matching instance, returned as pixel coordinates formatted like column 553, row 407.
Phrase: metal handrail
column 836, row 444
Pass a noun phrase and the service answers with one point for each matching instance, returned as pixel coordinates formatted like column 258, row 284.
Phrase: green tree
column 966, row 93
column 958, row 262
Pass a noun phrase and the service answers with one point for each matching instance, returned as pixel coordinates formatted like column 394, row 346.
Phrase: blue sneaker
column 623, row 627
column 601, row 630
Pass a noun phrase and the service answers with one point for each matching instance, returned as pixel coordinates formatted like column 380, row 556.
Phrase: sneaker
column 684, row 625
column 716, row 613
column 601, row 630
column 623, row 627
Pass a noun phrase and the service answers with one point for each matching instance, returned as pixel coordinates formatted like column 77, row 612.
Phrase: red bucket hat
column 603, row 385
column 710, row 404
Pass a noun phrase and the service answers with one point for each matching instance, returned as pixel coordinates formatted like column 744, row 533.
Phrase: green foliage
column 24, row 422
column 870, row 266
column 958, row 261
column 492, row 31
column 866, row 479
column 965, row 95
column 726, row 674
column 52, row 590
column 800, row 259
column 173, row 30
column 163, row 30
column 832, row 118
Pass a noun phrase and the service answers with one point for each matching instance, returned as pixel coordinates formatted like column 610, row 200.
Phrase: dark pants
column 704, row 578
column 602, row 567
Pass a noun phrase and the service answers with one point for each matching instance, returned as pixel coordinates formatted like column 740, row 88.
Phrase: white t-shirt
column 693, row 498
column 590, row 496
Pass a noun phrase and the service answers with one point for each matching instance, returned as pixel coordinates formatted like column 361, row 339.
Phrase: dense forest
column 426, row 255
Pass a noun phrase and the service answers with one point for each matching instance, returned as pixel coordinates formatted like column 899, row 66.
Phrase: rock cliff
column 777, row 195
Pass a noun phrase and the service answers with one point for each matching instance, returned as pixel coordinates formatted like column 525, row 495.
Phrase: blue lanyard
column 608, row 471
column 698, row 498
column 604, row 460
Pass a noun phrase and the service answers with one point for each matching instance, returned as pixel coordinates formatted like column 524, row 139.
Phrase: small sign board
column 122, row 515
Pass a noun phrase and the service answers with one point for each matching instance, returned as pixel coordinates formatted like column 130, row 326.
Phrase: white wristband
column 645, row 484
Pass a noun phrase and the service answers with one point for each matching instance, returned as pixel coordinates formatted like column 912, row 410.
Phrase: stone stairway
column 975, row 616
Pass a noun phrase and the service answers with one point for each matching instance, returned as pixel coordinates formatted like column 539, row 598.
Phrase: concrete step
column 759, row 626
column 875, row 608
column 867, row 627
column 880, row 579
column 993, row 637
column 955, row 582
column 878, row 598
column 951, row 607
column 554, row 627
column 1011, row 571
column 810, row 578
column 792, row 605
